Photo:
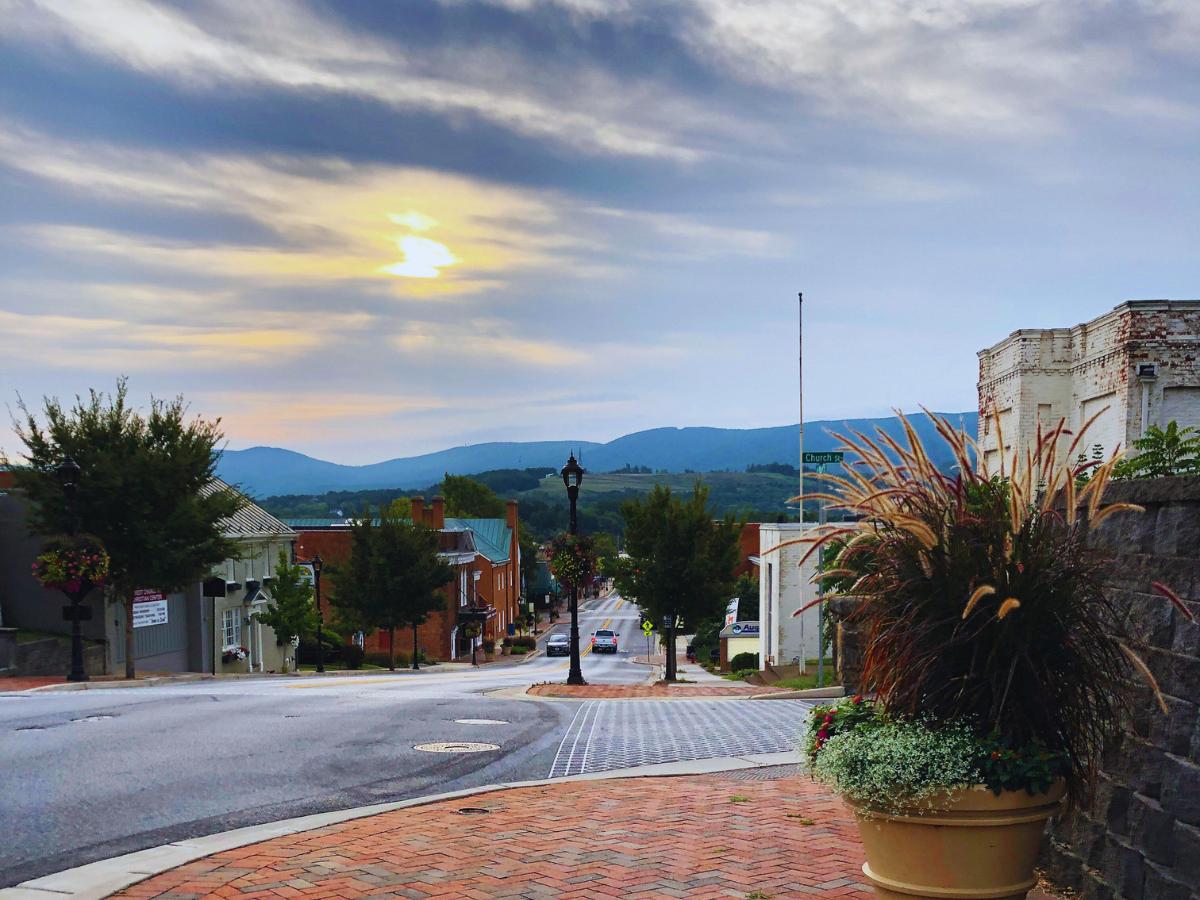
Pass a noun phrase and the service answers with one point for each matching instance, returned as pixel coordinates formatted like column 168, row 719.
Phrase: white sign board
column 149, row 608
column 306, row 573
column 731, row 612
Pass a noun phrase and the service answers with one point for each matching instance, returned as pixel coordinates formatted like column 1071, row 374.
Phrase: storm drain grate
column 473, row 811
column 762, row 773
column 455, row 747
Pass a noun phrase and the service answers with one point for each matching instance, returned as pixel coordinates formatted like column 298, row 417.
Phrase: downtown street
column 137, row 768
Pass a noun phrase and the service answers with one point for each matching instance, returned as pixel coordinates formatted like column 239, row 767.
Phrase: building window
column 231, row 628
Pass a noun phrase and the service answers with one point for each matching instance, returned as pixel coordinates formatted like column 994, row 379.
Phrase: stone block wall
column 52, row 656
column 1141, row 839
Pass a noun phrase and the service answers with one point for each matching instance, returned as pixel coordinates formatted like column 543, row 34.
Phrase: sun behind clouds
column 423, row 258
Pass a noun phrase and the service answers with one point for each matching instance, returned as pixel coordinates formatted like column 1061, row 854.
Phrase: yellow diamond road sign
column 647, row 626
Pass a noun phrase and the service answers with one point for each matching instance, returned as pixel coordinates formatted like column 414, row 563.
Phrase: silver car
column 604, row 642
column 558, row 644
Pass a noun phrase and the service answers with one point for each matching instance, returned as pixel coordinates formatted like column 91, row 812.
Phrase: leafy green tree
column 146, row 489
column 681, row 559
column 529, row 554
column 466, row 497
column 400, row 508
column 606, row 552
column 1163, row 452
column 393, row 576
column 291, row 612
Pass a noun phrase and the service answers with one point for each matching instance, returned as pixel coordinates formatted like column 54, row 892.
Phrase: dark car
column 558, row 644
column 604, row 642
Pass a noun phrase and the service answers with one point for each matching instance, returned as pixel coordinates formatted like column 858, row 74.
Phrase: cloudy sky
column 366, row 229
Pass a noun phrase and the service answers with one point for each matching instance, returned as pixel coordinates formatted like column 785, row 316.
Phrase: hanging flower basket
column 573, row 559
column 72, row 564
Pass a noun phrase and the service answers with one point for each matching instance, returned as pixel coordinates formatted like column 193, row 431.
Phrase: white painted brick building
column 1140, row 363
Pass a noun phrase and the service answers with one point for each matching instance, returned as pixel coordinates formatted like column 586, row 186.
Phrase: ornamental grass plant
column 981, row 605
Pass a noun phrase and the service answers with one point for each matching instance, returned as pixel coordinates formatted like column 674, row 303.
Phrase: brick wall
column 1142, row 838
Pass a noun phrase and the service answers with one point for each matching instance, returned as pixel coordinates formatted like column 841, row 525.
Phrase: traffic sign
column 821, row 459
column 647, row 627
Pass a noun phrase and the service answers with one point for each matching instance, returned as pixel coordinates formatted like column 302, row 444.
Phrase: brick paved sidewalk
column 727, row 835
column 659, row 689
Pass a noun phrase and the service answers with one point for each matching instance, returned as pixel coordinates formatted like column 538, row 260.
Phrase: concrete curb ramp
column 101, row 879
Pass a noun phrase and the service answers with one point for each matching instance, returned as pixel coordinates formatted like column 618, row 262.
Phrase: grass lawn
column 803, row 682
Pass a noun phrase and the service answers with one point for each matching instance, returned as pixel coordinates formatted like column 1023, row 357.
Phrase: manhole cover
column 92, row 719
column 456, row 747
column 480, row 721
column 473, row 811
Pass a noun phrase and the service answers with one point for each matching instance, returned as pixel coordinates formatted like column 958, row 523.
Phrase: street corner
column 742, row 833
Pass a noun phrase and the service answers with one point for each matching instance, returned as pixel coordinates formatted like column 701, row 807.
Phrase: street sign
column 647, row 627
column 822, row 459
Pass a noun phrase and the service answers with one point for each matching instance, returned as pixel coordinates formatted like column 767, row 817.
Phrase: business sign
column 823, row 459
column 731, row 612
column 745, row 629
column 149, row 608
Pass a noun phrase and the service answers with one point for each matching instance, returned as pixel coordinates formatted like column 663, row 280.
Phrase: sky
column 366, row 229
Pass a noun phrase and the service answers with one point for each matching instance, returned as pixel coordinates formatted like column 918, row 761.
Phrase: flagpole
column 800, row 337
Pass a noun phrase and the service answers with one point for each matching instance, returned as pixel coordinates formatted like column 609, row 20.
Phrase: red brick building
column 487, row 575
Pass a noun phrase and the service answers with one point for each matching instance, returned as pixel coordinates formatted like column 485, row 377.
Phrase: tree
column 1163, row 452
column 681, row 560
column 146, row 489
column 392, row 578
column 291, row 613
column 466, row 497
column 400, row 508
column 606, row 552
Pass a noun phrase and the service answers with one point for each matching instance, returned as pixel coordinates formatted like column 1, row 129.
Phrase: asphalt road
column 91, row 774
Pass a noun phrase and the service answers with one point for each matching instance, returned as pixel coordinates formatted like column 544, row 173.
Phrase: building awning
column 754, row 560
column 476, row 613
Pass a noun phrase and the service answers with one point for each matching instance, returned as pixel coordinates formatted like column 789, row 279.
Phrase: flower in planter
column 234, row 654
column 981, row 607
column 573, row 559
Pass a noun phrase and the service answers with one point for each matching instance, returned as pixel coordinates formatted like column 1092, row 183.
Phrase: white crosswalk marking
column 618, row 734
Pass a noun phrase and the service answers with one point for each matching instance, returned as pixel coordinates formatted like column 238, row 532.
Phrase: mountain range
column 267, row 471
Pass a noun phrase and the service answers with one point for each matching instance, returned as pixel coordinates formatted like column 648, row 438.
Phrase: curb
column 191, row 678
column 806, row 694
column 98, row 880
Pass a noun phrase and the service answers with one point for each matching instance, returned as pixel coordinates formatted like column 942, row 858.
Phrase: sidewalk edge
column 103, row 878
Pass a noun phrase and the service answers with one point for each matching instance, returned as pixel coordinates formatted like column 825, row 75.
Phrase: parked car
column 604, row 642
column 558, row 644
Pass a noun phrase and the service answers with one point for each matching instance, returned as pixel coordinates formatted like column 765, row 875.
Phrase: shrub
column 979, row 602
column 489, row 645
column 744, row 661
column 523, row 643
column 353, row 656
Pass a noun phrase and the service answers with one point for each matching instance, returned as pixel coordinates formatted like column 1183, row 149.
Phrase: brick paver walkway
column 633, row 691
column 700, row 837
column 26, row 682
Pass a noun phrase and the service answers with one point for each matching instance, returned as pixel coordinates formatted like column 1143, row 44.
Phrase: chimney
column 418, row 510
column 438, row 513
column 511, row 516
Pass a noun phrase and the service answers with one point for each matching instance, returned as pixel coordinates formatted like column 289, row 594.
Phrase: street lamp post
column 317, row 565
column 572, row 476
column 68, row 476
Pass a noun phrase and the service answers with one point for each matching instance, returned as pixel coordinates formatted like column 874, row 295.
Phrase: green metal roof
column 493, row 537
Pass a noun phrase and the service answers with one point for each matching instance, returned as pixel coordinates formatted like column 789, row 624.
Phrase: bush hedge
column 744, row 661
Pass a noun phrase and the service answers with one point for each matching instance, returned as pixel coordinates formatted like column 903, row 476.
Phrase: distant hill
column 266, row 471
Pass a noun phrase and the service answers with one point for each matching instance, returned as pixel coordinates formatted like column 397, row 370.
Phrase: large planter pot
column 973, row 844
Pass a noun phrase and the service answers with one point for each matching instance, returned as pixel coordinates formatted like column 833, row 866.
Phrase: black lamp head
column 317, row 564
column 572, row 473
column 68, row 472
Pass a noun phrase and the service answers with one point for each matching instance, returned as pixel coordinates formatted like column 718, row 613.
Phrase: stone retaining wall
column 52, row 656
column 1142, row 838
